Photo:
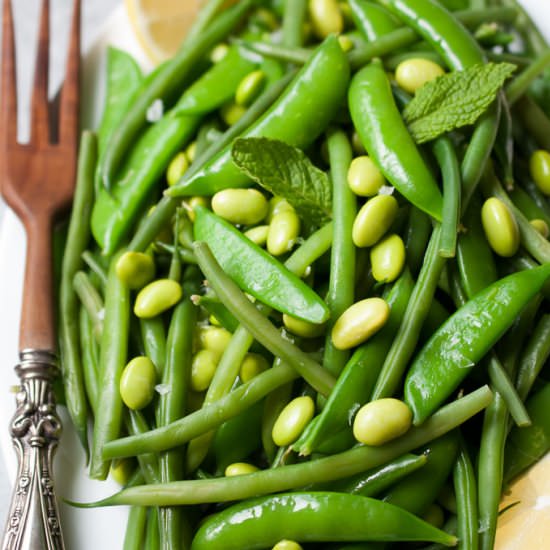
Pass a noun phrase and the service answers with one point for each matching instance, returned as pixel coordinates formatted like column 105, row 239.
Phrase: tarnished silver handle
column 33, row 519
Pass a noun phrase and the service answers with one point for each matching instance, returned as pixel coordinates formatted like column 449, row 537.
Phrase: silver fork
column 37, row 181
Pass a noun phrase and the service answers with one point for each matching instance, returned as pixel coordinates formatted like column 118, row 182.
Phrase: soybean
column 286, row 544
column 364, row 177
column 374, row 219
column 240, row 206
column 292, row 420
column 381, row 421
column 283, row 231
column 326, row 17
column 541, row 226
column 305, row 329
column 539, row 167
column 500, row 226
column 258, row 234
column 135, row 269
column 177, row 167
column 215, row 339
column 252, row 365
column 359, row 322
column 203, row 368
column 278, row 205
column 137, row 383
column 412, row 74
column 249, row 88
column 388, row 259
column 239, row 469
column 157, row 297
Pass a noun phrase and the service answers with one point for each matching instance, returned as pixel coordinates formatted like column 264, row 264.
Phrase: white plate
column 96, row 528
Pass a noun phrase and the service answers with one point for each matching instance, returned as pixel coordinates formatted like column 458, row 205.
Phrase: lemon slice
column 161, row 25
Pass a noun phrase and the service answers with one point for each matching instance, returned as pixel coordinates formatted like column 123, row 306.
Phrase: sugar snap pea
column 457, row 346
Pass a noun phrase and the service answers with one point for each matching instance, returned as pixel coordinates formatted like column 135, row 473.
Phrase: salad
column 303, row 291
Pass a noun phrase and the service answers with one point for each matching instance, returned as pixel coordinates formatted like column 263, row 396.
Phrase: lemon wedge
column 161, row 25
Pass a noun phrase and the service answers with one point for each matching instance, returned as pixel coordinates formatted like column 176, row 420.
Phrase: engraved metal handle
column 33, row 519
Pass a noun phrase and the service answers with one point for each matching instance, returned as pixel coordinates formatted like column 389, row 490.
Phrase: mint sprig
column 287, row 172
column 454, row 100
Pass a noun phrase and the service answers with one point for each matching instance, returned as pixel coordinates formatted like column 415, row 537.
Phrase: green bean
column 500, row 380
column 153, row 335
column 95, row 266
column 409, row 331
column 325, row 469
column 258, row 325
column 152, row 539
column 90, row 300
column 310, row 250
column 114, row 341
column 137, row 424
column 534, row 120
column 341, row 288
column 77, row 241
column 417, row 235
column 293, row 21
column 490, row 469
column 444, row 151
column 204, row 419
column 373, row 482
column 90, row 358
column 225, row 375
column 521, row 83
column 135, row 528
column 533, row 357
column 465, row 486
column 173, row 404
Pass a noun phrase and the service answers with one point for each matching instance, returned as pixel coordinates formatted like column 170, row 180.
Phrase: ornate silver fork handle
column 33, row 520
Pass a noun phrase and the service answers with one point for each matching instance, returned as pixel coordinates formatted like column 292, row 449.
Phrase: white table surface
column 26, row 13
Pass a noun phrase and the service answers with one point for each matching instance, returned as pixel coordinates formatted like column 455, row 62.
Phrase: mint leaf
column 287, row 172
column 454, row 100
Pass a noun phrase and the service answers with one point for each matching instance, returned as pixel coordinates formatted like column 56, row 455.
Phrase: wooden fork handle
column 37, row 328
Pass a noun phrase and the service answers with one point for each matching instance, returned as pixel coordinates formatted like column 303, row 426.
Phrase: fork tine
column 8, row 106
column 40, row 126
column 70, row 104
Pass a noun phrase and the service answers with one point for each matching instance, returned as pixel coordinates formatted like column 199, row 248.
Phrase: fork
column 37, row 181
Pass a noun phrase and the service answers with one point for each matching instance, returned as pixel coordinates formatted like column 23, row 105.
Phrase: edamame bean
column 203, row 368
column 231, row 113
column 374, row 219
column 157, row 297
column 357, row 146
column 541, row 226
column 193, row 202
column 346, row 43
column 381, row 421
column 326, row 17
column 292, row 420
column 177, row 167
column 284, row 229
column 215, row 339
column 364, row 177
column 249, row 88
column 539, row 167
column 191, row 151
column 240, row 206
column 500, row 226
column 240, row 468
column 135, row 269
column 252, row 365
column 258, row 234
column 359, row 322
column 219, row 52
column 278, row 205
column 301, row 328
column 286, row 544
column 387, row 258
column 412, row 74
column 434, row 515
column 137, row 383
column 122, row 469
